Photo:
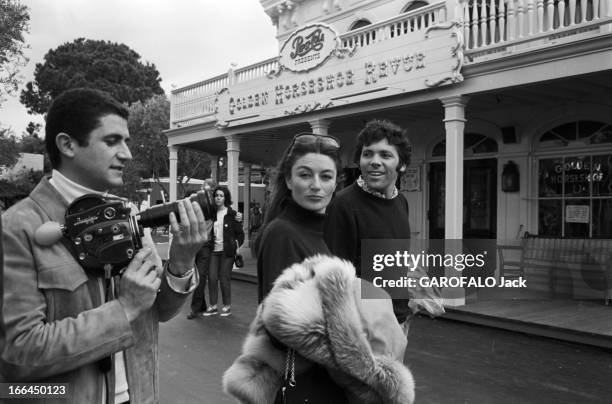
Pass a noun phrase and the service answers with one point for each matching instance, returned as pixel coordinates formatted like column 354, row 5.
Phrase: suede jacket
column 56, row 326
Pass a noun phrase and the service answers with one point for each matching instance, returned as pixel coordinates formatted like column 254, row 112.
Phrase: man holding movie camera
column 62, row 322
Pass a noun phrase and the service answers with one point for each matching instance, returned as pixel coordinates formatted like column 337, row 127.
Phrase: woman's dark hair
column 280, row 192
column 226, row 194
column 377, row 130
column 77, row 112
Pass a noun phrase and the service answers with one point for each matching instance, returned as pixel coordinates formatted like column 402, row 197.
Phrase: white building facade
column 508, row 104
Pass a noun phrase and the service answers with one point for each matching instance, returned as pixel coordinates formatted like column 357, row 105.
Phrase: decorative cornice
column 341, row 53
column 456, row 51
column 313, row 106
column 275, row 8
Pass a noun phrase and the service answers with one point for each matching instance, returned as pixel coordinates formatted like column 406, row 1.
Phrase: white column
column 173, row 102
column 233, row 154
column 247, row 202
column 214, row 169
column 319, row 126
column 173, row 172
column 454, row 122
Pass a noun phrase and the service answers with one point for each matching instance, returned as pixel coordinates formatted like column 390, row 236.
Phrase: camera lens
column 158, row 215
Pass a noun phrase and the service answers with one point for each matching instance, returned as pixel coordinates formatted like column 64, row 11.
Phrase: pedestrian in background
column 227, row 237
column 202, row 262
column 255, row 221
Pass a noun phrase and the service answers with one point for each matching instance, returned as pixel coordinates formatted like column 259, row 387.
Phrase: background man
column 255, row 221
column 202, row 261
column 371, row 208
column 61, row 324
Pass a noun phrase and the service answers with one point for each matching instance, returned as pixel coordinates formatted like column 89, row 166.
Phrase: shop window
column 413, row 5
column 473, row 143
column 575, row 196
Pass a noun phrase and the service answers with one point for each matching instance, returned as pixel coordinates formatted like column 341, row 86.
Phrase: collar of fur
column 315, row 308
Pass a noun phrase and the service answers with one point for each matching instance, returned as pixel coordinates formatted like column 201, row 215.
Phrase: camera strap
column 105, row 364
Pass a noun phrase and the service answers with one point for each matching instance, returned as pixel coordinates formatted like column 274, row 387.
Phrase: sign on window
column 577, row 213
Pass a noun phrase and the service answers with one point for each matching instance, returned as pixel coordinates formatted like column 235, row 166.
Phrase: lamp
column 510, row 177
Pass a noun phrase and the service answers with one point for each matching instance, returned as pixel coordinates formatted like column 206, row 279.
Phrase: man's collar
column 363, row 185
column 69, row 189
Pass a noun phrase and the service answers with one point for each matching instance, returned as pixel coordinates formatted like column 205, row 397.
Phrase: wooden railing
column 256, row 71
column 196, row 101
column 403, row 24
column 490, row 22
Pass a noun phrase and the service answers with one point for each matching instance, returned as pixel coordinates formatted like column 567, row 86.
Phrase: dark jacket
column 233, row 234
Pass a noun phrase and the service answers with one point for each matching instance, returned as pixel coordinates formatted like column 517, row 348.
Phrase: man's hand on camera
column 139, row 285
column 188, row 237
column 239, row 217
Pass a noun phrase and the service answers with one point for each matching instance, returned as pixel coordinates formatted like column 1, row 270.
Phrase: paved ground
column 195, row 353
column 452, row 362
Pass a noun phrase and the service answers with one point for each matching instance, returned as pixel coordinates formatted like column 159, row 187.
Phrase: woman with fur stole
column 305, row 181
column 313, row 339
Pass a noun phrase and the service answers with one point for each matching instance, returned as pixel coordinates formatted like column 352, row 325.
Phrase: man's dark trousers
column 198, row 300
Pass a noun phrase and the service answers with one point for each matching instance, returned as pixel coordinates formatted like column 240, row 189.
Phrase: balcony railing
column 255, row 71
column 196, row 102
column 403, row 24
column 491, row 22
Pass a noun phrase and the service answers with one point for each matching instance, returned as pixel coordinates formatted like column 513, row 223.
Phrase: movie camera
column 103, row 234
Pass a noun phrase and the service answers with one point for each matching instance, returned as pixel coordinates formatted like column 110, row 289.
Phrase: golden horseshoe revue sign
column 315, row 72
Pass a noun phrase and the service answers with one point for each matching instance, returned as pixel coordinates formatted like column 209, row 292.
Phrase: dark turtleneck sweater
column 295, row 234
column 355, row 215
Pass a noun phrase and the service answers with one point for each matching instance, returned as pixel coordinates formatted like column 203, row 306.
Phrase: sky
column 187, row 40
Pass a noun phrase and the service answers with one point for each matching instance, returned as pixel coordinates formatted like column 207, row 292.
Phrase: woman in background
column 227, row 237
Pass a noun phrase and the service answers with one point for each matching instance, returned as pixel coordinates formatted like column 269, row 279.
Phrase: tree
column 14, row 23
column 18, row 186
column 31, row 142
column 103, row 65
column 149, row 147
column 9, row 149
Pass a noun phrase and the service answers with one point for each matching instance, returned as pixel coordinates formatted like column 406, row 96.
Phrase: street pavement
column 452, row 362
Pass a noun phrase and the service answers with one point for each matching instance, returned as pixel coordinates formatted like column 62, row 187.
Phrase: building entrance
column 479, row 199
